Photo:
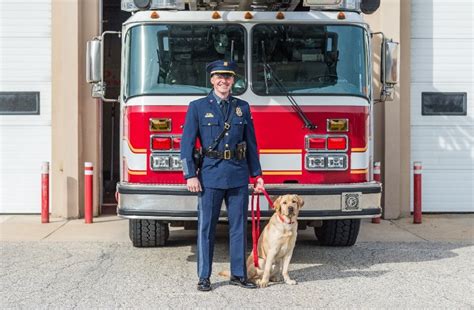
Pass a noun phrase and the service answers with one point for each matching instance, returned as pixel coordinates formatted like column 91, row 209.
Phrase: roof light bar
column 351, row 5
column 140, row 5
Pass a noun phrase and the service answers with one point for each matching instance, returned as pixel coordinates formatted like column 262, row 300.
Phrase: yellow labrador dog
column 276, row 243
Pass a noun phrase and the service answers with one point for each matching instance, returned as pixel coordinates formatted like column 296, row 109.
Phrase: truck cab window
column 171, row 59
column 308, row 59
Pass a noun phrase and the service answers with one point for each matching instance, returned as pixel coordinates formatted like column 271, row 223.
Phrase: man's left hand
column 259, row 186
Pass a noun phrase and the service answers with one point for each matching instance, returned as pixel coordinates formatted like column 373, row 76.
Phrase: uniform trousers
column 209, row 206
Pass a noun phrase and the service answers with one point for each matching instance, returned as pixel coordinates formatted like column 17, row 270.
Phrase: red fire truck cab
column 305, row 68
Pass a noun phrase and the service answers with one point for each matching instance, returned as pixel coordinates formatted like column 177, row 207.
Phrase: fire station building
column 47, row 112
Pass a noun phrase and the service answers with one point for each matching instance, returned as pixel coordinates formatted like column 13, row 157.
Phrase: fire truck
column 305, row 67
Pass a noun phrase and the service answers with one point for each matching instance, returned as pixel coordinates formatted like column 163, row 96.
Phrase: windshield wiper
column 270, row 74
column 266, row 75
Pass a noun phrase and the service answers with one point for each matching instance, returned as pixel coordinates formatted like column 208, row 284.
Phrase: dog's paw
column 290, row 282
column 261, row 283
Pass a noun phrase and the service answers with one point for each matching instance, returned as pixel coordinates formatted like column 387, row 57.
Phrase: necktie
column 223, row 106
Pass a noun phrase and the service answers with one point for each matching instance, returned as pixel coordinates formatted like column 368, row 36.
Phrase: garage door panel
column 441, row 60
column 442, row 49
column 34, row 21
column 25, row 66
column 444, row 191
column 443, row 148
column 25, row 60
column 24, row 148
column 20, row 193
column 445, row 160
column 435, row 18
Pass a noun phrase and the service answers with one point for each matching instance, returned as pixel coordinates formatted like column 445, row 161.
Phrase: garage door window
column 435, row 103
column 19, row 103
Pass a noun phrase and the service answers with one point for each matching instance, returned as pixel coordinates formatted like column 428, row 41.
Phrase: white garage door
column 25, row 102
column 442, row 107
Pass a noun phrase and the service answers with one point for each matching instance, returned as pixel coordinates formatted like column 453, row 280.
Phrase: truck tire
column 338, row 232
column 148, row 233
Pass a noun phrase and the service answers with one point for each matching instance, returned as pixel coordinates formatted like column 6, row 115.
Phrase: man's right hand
column 193, row 185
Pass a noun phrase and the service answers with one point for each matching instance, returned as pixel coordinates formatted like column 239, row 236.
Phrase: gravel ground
column 47, row 274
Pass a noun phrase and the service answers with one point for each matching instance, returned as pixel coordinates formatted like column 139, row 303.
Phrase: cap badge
column 238, row 111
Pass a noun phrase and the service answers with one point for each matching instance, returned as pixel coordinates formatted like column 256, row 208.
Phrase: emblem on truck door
column 351, row 202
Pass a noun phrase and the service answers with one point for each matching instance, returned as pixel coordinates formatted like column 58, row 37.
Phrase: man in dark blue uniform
column 225, row 128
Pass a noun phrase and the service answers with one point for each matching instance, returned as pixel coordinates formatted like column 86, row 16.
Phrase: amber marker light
column 337, row 125
column 160, row 124
column 341, row 15
column 216, row 15
column 154, row 15
column 280, row 15
column 248, row 15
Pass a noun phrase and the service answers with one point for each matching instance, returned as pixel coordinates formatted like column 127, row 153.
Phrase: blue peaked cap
column 221, row 66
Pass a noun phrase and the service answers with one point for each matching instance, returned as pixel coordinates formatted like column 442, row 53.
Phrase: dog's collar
column 283, row 219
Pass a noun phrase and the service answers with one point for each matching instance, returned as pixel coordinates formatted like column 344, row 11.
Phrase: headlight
column 160, row 162
column 176, row 163
column 337, row 161
column 315, row 162
column 325, row 161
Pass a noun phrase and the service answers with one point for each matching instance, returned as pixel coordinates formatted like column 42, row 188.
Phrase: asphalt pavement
column 395, row 264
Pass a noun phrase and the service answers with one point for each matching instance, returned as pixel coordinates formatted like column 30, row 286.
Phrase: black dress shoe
column 242, row 282
column 204, row 285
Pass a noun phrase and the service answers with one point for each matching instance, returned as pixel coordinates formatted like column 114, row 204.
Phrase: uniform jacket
column 205, row 121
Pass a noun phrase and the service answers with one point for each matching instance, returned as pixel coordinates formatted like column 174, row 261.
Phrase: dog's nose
column 291, row 209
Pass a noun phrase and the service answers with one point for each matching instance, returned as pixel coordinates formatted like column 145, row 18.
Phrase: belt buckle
column 227, row 154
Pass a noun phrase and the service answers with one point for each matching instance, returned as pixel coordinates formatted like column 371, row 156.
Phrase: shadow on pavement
column 331, row 262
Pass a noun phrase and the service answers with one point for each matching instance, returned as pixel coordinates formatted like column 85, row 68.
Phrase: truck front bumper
column 176, row 203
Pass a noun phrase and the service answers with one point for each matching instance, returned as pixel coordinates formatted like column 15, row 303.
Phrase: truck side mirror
column 93, row 61
column 389, row 68
column 95, row 66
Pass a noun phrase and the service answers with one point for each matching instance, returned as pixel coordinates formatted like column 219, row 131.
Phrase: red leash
column 256, row 222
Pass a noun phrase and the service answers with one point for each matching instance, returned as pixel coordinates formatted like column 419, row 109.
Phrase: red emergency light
column 317, row 143
column 176, row 143
column 337, row 143
column 161, row 143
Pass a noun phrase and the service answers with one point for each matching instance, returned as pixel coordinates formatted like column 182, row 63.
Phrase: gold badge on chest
column 238, row 111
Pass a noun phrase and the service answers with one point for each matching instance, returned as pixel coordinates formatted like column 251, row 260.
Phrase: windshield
column 309, row 59
column 171, row 59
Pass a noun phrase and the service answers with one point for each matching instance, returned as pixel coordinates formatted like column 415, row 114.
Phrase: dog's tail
column 225, row 273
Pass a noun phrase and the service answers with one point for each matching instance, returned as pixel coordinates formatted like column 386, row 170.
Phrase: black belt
column 227, row 154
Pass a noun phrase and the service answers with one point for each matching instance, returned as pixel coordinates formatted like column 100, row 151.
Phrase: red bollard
column 417, row 192
column 376, row 220
column 88, row 194
column 45, row 192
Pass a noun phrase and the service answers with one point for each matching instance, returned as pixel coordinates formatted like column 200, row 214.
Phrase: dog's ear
column 276, row 204
column 300, row 202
